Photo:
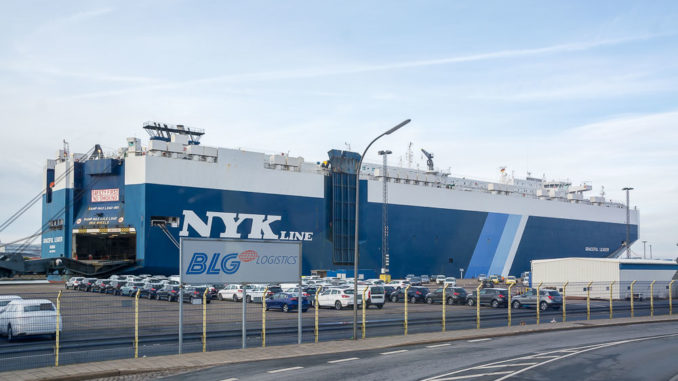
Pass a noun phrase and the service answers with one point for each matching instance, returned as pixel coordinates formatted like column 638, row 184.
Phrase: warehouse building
column 608, row 277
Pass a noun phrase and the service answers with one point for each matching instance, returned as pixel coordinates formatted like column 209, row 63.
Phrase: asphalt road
column 101, row 327
column 642, row 352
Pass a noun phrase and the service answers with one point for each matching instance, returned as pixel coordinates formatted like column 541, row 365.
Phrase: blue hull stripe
column 487, row 244
column 507, row 238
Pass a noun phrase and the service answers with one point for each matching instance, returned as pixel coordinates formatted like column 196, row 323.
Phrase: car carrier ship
column 117, row 210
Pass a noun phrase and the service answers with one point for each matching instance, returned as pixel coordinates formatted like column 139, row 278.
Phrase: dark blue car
column 286, row 302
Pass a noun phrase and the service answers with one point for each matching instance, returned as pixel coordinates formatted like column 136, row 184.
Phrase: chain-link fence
column 97, row 325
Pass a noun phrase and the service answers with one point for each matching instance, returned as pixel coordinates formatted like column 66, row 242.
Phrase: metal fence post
column 244, row 315
column 632, row 312
column 538, row 306
column 445, row 286
column 652, row 298
column 58, row 331
column 263, row 316
column 478, row 305
column 588, row 301
column 509, row 303
column 565, row 301
column 611, row 285
column 204, row 320
column 136, row 324
column 406, row 297
column 671, row 297
column 316, row 312
column 364, row 307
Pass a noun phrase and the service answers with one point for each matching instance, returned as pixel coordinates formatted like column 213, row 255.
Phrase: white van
column 375, row 295
column 29, row 317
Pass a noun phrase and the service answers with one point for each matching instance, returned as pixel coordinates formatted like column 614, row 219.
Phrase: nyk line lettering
column 260, row 227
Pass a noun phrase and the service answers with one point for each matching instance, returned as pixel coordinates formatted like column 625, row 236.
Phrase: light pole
column 628, row 217
column 384, row 214
column 356, row 256
column 644, row 242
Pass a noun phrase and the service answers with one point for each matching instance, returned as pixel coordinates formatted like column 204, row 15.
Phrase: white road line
column 473, row 376
column 285, row 369
column 230, row 379
column 506, row 365
column 437, row 345
column 343, row 360
column 394, row 352
column 477, row 340
column 544, row 357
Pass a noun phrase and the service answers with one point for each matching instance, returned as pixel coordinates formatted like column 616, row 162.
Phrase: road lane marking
column 394, row 352
column 506, row 365
column 343, row 360
column 438, row 345
column 477, row 340
column 544, row 357
column 285, row 369
column 230, row 379
column 474, row 376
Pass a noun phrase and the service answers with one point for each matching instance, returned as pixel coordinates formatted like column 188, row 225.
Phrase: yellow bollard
column 509, row 303
column 364, row 306
column 204, row 320
column 538, row 306
column 611, row 285
column 444, row 303
column 58, row 331
column 565, row 301
column 588, row 301
column 406, row 290
column 632, row 283
column 263, row 317
column 136, row 324
column 671, row 297
column 478, row 305
column 652, row 298
column 316, row 312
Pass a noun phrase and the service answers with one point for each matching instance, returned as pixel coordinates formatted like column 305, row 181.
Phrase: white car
column 440, row 279
column 73, row 282
column 375, row 281
column 399, row 283
column 29, row 317
column 234, row 292
column 336, row 298
column 452, row 281
column 5, row 299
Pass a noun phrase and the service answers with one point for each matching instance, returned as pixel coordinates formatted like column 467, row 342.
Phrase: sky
column 577, row 90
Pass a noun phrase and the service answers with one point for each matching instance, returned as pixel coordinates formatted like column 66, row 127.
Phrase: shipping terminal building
column 110, row 208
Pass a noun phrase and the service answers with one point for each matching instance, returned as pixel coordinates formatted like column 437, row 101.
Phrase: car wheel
column 337, row 305
column 285, row 308
column 413, row 300
column 495, row 304
column 471, row 302
column 450, row 300
column 429, row 300
column 249, row 299
column 543, row 306
column 516, row 305
column 380, row 306
column 394, row 299
column 220, row 297
column 10, row 334
column 235, row 298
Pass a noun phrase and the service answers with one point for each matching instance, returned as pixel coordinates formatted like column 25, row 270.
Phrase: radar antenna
column 429, row 156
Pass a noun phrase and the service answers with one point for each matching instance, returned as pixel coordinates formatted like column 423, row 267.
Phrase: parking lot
column 102, row 326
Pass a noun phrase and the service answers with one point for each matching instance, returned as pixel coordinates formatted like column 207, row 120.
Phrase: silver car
column 547, row 299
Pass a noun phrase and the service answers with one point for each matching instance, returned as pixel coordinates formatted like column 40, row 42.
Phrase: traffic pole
column 588, row 301
column 406, row 297
column 444, row 304
column 263, row 317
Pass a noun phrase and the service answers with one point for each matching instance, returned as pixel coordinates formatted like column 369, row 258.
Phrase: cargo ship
column 125, row 208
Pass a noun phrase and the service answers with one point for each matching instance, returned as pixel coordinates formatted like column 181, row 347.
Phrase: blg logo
column 228, row 264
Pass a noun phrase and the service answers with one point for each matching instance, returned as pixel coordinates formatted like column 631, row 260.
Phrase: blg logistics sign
column 239, row 261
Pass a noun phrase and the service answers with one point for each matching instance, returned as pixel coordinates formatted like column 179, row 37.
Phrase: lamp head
column 396, row 128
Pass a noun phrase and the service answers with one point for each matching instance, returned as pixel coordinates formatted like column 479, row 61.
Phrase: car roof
column 28, row 302
column 13, row 297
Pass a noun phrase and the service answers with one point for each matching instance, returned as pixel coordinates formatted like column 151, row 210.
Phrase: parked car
column 233, row 292
column 130, row 288
column 453, row 295
column 114, row 286
column 425, row 279
column 452, row 281
column 414, row 294
column 286, row 302
column 547, row 299
column 73, row 282
column 168, row 292
column 100, row 285
column 86, row 284
column 399, row 283
column 511, row 280
column 192, row 293
column 494, row 297
column 415, row 281
column 257, row 292
column 150, row 289
column 409, row 276
column 5, row 299
column 482, row 277
column 440, row 279
column 388, row 290
column 29, row 317
column 375, row 295
column 376, row 281
column 336, row 297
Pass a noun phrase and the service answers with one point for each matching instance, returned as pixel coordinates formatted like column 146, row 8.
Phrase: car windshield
column 377, row 290
column 350, row 292
column 554, row 293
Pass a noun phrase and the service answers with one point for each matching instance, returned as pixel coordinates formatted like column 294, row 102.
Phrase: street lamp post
column 356, row 256
column 628, row 221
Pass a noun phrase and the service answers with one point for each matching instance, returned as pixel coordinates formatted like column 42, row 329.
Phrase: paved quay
column 178, row 363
